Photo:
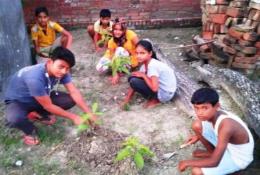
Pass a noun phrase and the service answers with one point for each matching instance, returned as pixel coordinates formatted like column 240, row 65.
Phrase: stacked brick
column 235, row 25
column 242, row 41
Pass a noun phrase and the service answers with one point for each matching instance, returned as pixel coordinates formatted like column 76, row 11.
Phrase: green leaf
column 122, row 154
column 82, row 127
column 98, row 113
column 94, row 107
column 85, row 116
column 139, row 161
column 145, row 151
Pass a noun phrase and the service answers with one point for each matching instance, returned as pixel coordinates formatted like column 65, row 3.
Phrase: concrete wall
column 136, row 12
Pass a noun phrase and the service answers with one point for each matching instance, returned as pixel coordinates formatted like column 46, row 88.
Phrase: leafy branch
column 104, row 39
column 135, row 150
column 120, row 64
column 86, row 116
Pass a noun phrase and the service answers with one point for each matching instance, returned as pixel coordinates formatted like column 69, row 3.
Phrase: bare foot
column 152, row 103
column 201, row 153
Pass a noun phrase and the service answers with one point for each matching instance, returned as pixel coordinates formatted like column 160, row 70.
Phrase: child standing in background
column 122, row 43
column 155, row 80
column 101, row 31
column 43, row 35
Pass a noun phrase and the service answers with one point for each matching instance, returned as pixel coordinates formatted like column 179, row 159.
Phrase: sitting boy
column 43, row 35
column 226, row 137
column 101, row 32
column 31, row 96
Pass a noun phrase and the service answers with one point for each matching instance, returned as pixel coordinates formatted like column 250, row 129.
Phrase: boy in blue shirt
column 30, row 95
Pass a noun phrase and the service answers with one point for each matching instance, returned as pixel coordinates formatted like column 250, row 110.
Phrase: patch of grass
column 43, row 167
column 51, row 135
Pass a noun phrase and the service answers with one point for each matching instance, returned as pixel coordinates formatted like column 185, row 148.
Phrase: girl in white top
column 155, row 80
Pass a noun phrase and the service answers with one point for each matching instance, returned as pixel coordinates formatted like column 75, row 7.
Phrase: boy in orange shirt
column 43, row 35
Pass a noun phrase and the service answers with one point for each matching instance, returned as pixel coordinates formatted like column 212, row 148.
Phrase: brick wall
column 147, row 13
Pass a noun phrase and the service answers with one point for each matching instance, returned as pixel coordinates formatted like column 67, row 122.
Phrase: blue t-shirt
column 30, row 82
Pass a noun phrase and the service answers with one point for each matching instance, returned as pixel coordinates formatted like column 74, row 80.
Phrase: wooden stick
column 191, row 45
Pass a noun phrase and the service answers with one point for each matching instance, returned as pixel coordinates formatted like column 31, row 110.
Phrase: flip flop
column 31, row 140
column 49, row 120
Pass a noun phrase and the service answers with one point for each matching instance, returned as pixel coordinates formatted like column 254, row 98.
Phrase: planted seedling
column 126, row 107
column 132, row 148
column 105, row 38
column 85, row 117
column 120, row 64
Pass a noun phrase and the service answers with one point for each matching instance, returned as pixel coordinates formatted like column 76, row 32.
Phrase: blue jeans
column 16, row 112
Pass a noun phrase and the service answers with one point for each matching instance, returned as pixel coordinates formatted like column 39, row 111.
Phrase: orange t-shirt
column 128, row 45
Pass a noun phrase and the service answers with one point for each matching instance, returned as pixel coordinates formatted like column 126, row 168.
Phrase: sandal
column 49, row 120
column 31, row 140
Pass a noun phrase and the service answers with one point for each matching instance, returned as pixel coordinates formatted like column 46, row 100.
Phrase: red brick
column 212, row 8
column 243, row 65
column 256, row 17
column 245, row 43
column 205, row 48
column 222, row 2
column 222, row 9
column 216, row 28
column 257, row 45
column 234, row 33
column 235, row 12
column 252, row 13
column 250, row 36
column 238, row 3
column 228, row 40
column 229, row 50
column 248, row 60
column 249, row 50
column 207, row 35
column 218, row 18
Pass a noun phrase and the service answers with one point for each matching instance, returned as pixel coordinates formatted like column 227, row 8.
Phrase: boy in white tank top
column 226, row 137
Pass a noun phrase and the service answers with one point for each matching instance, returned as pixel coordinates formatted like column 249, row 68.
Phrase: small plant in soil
column 135, row 150
column 85, row 117
column 105, row 38
column 120, row 64
column 126, row 107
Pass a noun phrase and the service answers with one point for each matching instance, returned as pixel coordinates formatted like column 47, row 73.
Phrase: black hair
column 62, row 53
column 205, row 95
column 147, row 45
column 39, row 10
column 105, row 13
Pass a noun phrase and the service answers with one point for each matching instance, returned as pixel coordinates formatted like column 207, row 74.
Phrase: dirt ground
column 63, row 151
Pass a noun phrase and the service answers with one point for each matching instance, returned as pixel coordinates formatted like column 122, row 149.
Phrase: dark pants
column 16, row 112
column 139, row 85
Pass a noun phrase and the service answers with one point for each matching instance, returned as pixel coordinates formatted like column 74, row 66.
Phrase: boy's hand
column 77, row 120
column 191, row 140
column 182, row 166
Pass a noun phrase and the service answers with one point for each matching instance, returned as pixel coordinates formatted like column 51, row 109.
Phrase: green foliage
column 120, row 64
column 134, row 149
column 126, row 107
column 85, row 117
column 105, row 38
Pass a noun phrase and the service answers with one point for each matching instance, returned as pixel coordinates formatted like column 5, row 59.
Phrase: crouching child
column 228, row 141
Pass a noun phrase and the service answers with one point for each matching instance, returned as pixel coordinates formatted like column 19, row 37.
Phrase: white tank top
column 242, row 154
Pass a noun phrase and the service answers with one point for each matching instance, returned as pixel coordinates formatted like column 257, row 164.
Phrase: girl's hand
column 138, row 74
column 115, row 79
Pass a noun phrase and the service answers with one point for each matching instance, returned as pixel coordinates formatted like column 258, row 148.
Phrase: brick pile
column 235, row 26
